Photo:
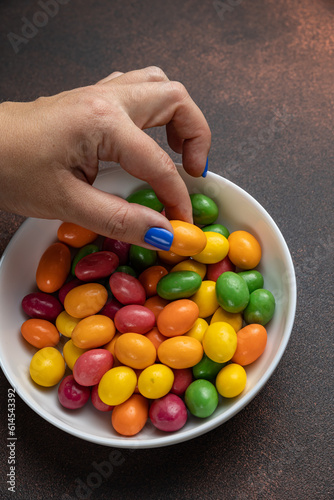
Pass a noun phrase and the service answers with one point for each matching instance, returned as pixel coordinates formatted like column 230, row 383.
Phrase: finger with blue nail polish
column 159, row 238
column 206, row 168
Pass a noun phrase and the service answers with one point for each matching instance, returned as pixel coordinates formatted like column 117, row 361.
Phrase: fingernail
column 159, row 238
column 206, row 168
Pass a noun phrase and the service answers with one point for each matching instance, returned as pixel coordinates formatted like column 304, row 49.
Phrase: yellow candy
column 233, row 319
column 47, row 367
column 190, row 265
column 198, row 330
column 117, row 385
column 65, row 324
column 215, row 250
column 206, row 298
column 71, row 353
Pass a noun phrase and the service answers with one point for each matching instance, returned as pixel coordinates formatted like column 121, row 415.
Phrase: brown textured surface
column 258, row 59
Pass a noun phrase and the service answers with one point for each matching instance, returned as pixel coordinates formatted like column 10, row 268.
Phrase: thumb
column 111, row 216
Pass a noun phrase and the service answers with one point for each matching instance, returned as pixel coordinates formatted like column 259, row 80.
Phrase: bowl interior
column 237, row 210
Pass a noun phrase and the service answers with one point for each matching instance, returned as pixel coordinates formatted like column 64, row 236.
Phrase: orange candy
column 169, row 257
column 177, row 317
column 85, row 300
column 244, row 250
column 188, row 239
column 156, row 304
column 40, row 333
column 180, row 352
column 94, row 331
column 135, row 350
column 251, row 342
column 129, row 417
column 150, row 277
column 74, row 235
column 53, row 268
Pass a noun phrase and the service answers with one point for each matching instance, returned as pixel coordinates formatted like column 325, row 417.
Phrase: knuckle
column 116, row 224
column 178, row 91
column 156, row 74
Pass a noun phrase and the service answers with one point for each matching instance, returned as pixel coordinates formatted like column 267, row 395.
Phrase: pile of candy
column 149, row 334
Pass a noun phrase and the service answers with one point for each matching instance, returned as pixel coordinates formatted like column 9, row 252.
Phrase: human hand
column 50, row 151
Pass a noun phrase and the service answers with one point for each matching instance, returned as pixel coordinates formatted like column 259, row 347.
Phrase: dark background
column 250, row 62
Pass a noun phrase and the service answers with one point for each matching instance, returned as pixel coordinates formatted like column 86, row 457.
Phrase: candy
column 169, row 413
column 74, row 235
column 178, row 285
column 147, row 198
column 91, row 366
column 220, row 342
column 180, row 352
column 53, row 268
column 177, row 317
column 127, row 289
column 251, row 343
column 206, row 299
column 169, row 325
column 129, row 417
column 201, row 398
column 41, row 305
column 231, row 380
column 244, row 250
column 150, row 279
column 260, row 308
column 135, row 350
column 217, row 228
column 40, row 333
column 120, row 248
column 216, row 249
column 142, row 258
column 66, row 324
column 86, row 250
column 232, row 292
column 134, row 318
column 207, row 369
column 72, row 395
column 47, row 367
column 96, row 265
column 85, row 300
column 188, row 239
column 155, row 381
column 93, row 331
column 253, row 278
column 220, row 267
column 117, row 385
column 205, row 210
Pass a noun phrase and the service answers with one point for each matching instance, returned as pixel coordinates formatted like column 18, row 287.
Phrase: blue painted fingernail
column 159, row 238
column 206, row 168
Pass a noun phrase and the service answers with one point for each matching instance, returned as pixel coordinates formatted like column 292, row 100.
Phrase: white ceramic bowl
column 237, row 210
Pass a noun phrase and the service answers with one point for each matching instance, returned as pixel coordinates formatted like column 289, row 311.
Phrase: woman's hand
column 50, row 151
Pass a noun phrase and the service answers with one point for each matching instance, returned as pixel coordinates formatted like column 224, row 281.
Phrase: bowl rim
column 206, row 425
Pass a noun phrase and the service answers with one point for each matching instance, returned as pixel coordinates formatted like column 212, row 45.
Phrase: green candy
column 201, row 398
column 142, row 258
column 86, row 250
column 217, row 228
column 146, row 197
column 207, row 369
column 127, row 270
column 253, row 278
column 179, row 285
column 232, row 292
column 205, row 210
column 261, row 307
